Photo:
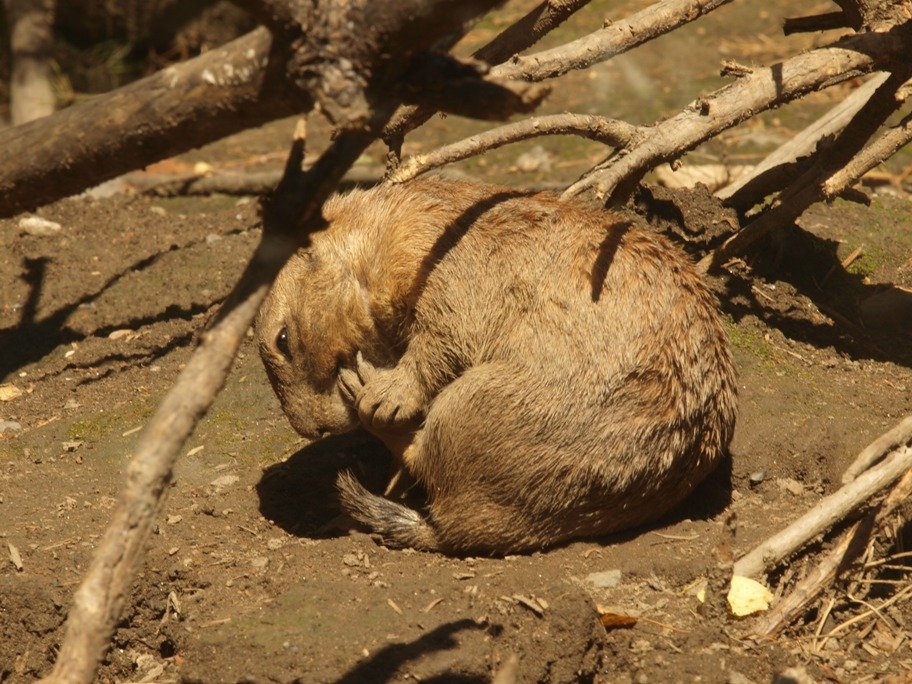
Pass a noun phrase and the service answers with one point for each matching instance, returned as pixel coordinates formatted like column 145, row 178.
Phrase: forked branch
column 615, row 179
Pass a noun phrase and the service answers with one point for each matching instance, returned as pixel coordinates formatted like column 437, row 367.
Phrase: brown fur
column 543, row 370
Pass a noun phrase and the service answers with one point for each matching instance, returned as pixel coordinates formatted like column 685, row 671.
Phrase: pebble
column 212, row 238
column 606, row 579
column 790, row 485
column 39, row 227
column 756, row 478
column 9, row 426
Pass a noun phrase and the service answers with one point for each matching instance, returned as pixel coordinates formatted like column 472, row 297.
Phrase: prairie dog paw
column 383, row 397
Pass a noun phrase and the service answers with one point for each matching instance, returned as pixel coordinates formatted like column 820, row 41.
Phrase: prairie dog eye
column 282, row 343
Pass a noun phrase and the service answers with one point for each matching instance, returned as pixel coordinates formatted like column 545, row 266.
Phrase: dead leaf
column 612, row 620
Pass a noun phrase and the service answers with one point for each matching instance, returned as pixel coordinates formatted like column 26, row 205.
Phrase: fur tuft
column 398, row 525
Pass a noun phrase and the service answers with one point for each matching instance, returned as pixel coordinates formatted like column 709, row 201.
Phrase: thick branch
column 728, row 106
column 614, row 39
column 204, row 99
column 598, row 128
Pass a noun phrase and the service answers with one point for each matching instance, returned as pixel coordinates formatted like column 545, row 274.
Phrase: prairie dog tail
column 398, row 525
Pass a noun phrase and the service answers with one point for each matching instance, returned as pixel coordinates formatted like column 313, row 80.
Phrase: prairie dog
column 544, row 370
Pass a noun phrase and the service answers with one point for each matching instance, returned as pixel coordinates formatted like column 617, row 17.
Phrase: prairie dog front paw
column 384, row 397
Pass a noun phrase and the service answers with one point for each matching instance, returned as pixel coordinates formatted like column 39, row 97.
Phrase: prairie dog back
column 545, row 371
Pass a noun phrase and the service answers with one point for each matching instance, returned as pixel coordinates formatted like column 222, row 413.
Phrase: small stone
column 212, row 238
column 71, row 404
column 117, row 334
column 756, row 478
column 39, row 227
column 737, row 678
column 173, row 519
column 160, row 211
column 71, row 446
column 259, row 562
column 351, row 560
column 275, row 543
column 607, row 579
column 10, row 426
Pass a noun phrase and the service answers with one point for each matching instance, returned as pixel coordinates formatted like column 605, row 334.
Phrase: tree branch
column 817, row 22
column 757, row 91
column 204, row 99
column 598, row 128
column 614, row 39
column 824, row 515
column 778, row 168
column 816, row 183
column 517, row 37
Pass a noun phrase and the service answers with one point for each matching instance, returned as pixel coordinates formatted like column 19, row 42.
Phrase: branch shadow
column 382, row 666
column 31, row 339
column 810, row 264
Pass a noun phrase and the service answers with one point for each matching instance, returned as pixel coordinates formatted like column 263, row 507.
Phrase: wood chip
column 15, row 557
column 8, row 392
column 463, row 575
column 529, row 603
column 849, row 260
column 195, row 450
column 392, row 604
column 429, row 607
column 131, row 431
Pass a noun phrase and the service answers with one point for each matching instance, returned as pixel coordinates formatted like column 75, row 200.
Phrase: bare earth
column 247, row 577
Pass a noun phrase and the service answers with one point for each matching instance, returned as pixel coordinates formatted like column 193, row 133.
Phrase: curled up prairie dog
column 544, row 370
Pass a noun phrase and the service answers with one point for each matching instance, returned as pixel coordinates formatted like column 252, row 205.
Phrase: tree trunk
column 31, row 25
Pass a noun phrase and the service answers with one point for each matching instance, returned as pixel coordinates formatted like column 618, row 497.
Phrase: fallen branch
column 614, row 39
column 221, row 92
column 829, row 511
column 778, row 168
column 598, row 128
column 847, row 548
column 835, row 170
column 754, row 92
column 901, row 435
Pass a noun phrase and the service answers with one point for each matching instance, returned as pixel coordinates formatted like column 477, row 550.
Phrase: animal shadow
column 299, row 494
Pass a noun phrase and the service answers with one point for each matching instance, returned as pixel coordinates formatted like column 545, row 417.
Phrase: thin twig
column 846, row 549
column 598, row 128
column 613, row 39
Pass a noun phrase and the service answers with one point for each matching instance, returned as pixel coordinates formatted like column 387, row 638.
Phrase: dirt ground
column 247, row 578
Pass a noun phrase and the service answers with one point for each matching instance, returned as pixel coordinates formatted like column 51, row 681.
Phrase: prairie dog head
column 311, row 324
